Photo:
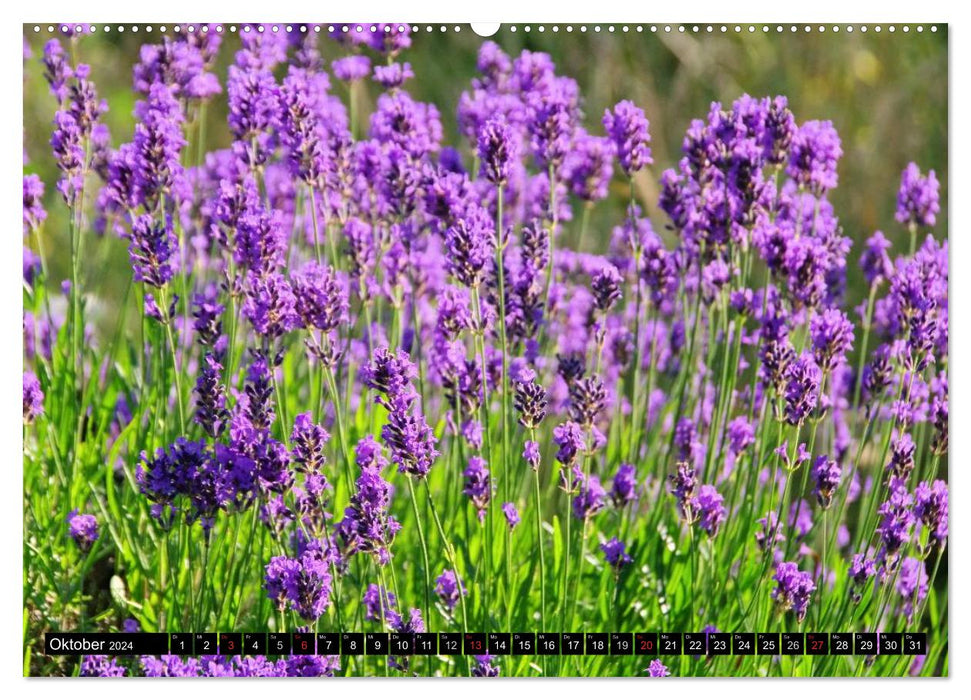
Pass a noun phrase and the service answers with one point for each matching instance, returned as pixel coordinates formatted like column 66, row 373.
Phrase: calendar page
column 521, row 350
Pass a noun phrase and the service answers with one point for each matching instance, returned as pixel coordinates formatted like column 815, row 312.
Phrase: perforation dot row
column 414, row 28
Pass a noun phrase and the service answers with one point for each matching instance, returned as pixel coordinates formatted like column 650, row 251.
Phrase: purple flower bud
column 449, row 588
column 918, row 200
column 793, row 589
column 512, row 515
column 826, row 474
column 627, row 127
column 33, row 397
column 478, row 485
column 498, row 149
column 615, row 552
column 83, row 529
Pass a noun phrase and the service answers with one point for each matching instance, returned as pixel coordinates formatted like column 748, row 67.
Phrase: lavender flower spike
column 627, row 127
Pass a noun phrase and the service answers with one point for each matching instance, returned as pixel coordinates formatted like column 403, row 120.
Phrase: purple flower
column 627, row 127
column 393, row 75
column 874, row 260
column 606, row 287
column 498, row 149
column 551, row 121
column 826, row 474
column 624, row 487
column 568, row 437
column 98, row 666
column 469, row 245
column 303, row 583
column 709, row 508
column 590, row 498
column 530, row 400
column 531, row 454
column 449, row 588
column 158, row 143
column 912, row 585
column 83, row 529
column 902, row 450
column 896, row 519
column 485, row 667
column 793, row 589
column 769, row 533
column 478, row 485
column 33, row 397
column 615, row 552
column 931, row 509
column 588, row 167
column 918, row 200
column 741, row 435
column 862, row 569
column 376, row 599
column 321, row 300
column 803, row 381
column 351, row 68
column 657, row 669
column 57, row 69
column 832, row 337
column 308, row 441
column 512, row 515
column 813, row 156
column 683, row 486
column 270, row 304
column 152, row 250
column 367, row 525
column 406, row 432
column 211, row 411
column 34, row 213
column 587, row 398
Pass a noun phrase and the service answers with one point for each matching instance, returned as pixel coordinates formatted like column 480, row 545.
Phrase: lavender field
column 325, row 332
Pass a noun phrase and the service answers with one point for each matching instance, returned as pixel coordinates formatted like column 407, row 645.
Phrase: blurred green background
column 887, row 95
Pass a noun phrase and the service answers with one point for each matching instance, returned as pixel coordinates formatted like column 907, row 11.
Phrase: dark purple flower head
column 624, row 487
column 414, row 127
column 303, row 583
column 530, row 400
column 367, row 525
column 615, row 552
column 683, row 486
column 862, row 569
column 741, row 434
column 931, row 509
column 152, row 250
column 83, row 529
column 321, row 299
column 803, row 380
column 512, row 514
column 33, row 397
column 832, row 337
column 308, row 441
column 569, row 439
column 708, row 507
column 158, row 143
column 606, row 287
column 902, row 451
column 826, row 474
column 449, row 588
column 498, row 149
column 813, row 156
column 469, row 246
column 478, row 484
column 587, row 399
column 211, row 411
column 793, row 589
column 627, row 127
column 918, row 201
column 270, row 304
column 67, row 142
